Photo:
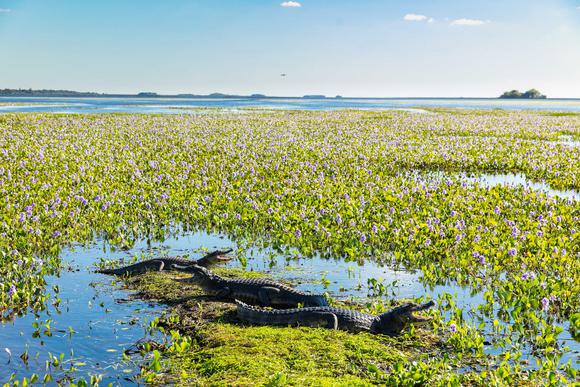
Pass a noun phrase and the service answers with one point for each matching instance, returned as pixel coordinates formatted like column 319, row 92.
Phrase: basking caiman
column 168, row 263
column 388, row 323
column 254, row 291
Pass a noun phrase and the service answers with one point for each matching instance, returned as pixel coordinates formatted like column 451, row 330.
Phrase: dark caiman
column 168, row 263
column 254, row 291
column 389, row 323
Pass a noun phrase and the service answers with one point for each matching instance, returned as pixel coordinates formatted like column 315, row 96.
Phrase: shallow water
column 107, row 321
column 104, row 326
column 173, row 105
column 512, row 179
column 569, row 141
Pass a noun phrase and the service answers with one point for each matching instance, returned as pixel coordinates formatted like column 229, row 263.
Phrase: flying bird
column 283, row 74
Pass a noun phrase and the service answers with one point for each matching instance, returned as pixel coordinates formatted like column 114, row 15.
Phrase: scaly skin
column 254, row 291
column 389, row 323
column 167, row 263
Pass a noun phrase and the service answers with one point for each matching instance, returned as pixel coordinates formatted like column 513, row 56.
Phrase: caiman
column 254, row 291
column 168, row 263
column 389, row 323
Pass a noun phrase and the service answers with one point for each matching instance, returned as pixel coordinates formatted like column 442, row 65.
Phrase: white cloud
column 5, row 10
column 468, row 22
column 415, row 17
column 291, row 4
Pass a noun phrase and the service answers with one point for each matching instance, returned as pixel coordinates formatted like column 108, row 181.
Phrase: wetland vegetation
column 385, row 188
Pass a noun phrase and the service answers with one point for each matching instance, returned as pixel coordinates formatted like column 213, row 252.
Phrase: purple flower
column 427, row 242
column 545, row 304
column 238, row 217
column 453, row 328
column 529, row 275
column 56, row 234
column 11, row 291
column 298, row 233
column 363, row 238
column 338, row 219
column 512, row 252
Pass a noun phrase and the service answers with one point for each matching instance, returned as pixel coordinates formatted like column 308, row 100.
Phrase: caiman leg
column 161, row 265
column 223, row 292
column 145, row 269
column 266, row 293
column 320, row 319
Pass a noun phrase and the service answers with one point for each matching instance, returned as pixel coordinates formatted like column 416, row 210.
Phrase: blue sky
column 382, row 48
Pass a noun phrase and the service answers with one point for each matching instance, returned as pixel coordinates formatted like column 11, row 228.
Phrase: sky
column 358, row 48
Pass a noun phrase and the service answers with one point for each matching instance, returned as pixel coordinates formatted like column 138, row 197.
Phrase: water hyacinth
column 342, row 184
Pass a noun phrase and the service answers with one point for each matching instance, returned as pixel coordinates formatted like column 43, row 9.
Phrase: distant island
column 530, row 94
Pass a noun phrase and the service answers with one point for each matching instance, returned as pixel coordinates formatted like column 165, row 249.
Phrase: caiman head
column 394, row 321
column 202, row 277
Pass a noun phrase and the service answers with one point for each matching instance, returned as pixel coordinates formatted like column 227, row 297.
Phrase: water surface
column 184, row 105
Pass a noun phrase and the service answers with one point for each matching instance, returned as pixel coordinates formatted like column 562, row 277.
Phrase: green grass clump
column 226, row 351
column 239, row 355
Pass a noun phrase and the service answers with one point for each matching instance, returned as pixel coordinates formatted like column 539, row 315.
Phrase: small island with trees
column 530, row 94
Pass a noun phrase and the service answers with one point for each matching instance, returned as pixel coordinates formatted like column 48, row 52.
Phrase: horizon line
column 257, row 95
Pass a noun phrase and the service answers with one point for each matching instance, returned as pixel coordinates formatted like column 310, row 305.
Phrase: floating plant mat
column 321, row 184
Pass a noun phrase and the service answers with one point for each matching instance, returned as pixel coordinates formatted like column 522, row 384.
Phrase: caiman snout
column 395, row 320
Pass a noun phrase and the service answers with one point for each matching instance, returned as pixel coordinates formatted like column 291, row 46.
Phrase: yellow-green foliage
column 344, row 184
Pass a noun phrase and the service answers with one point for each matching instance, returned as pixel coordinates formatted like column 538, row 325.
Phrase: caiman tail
column 309, row 317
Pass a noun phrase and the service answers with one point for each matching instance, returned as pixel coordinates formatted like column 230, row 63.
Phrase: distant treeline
column 530, row 94
column 71, row 93
column 46, row 93
column 143, row 94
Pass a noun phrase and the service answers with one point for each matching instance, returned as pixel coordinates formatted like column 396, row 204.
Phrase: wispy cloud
column 5, row 10
column 468, row 22
column 417, row 18
column 291, row 4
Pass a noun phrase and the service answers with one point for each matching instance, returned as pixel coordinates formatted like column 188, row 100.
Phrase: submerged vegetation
column 350, row 185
